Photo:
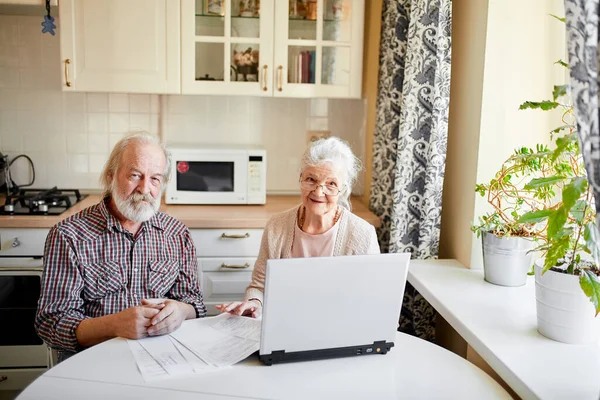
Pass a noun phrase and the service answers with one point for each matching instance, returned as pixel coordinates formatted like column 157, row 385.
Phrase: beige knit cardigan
column 354, row 236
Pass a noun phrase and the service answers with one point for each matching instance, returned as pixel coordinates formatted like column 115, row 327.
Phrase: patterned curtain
column 409, row 146
column 582, row 43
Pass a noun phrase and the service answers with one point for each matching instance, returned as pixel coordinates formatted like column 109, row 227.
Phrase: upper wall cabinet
column 28, row 2
column 27, row 7
column 127, row 46
column 226, row 48
column 280, row 48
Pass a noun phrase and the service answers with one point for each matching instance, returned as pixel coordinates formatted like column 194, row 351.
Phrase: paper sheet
column 244, row 327
column 148, row 367
column 223, row 340
column 227, row 351
column 201, row 345
column 162, row 350
column 196, row 362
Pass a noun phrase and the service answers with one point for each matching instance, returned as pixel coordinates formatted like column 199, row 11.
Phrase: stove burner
column 40, row 201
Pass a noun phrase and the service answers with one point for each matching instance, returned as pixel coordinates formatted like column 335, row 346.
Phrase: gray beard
column 137, row 207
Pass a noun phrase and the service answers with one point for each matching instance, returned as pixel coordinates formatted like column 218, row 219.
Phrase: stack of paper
column 199, row 345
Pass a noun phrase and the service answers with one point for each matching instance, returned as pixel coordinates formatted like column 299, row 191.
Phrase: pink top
column 307, row 245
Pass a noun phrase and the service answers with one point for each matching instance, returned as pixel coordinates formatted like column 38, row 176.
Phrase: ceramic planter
column 564, row 313
column 505, row 260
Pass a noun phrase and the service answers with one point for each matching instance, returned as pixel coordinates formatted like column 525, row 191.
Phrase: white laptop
column 325, row 307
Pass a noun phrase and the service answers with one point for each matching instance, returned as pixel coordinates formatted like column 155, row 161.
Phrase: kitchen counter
column 195, row 216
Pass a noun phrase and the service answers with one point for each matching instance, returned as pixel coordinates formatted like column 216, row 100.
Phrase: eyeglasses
column 328, row 190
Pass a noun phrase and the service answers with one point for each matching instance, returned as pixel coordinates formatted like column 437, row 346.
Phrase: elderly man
column 120, row 267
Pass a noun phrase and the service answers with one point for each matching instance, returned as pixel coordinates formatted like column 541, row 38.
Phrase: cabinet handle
column 264, row 78
column 280, row 78
column 246, row 265
column 3, row 378
column 18, row 269
column 16, row 242
column 225, row 236
column 67, row 62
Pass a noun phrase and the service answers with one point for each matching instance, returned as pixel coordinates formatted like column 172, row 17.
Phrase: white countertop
column 413, row 369
column 500, row 324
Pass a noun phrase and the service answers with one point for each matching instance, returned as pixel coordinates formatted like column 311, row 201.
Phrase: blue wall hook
column 48, row 24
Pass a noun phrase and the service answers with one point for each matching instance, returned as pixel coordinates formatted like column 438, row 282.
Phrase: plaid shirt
column 93, row 267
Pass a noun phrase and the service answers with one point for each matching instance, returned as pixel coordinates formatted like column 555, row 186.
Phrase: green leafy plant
column 571, row 240
column 543, row 193
column 512, row 194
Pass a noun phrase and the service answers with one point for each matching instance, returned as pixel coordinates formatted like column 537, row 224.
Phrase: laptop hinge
column 279, row 356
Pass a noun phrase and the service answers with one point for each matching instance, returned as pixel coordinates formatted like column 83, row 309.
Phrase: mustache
column 139, row 197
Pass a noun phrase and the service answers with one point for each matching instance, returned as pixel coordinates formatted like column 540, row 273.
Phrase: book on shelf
column 312, row 66
column 303, row 67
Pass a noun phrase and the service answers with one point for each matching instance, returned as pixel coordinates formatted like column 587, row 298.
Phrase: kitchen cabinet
column 278, row 48
column 13, row 381
column 23, row 355
column 27, row 8
column 125, row 46
column 22, row 242
column 29, row 2
column 225, row 263
column 226, row 260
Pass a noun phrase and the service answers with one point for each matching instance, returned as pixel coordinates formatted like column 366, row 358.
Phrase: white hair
column 337, row 152
column 111, row 168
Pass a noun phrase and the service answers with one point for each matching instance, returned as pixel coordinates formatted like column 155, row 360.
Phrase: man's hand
column 170, row 317
column 250, row 308
column 133, row 322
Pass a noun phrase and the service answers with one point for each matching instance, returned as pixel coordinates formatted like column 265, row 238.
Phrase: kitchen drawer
column 223, row 287
column 225, row 264
column 18, row 379
column 227, row 242
column 22, row 242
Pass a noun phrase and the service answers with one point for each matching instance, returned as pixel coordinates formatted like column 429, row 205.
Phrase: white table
column 413, row 369
column 500, row 324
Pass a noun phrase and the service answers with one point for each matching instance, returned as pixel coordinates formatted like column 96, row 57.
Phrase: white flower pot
column 505, row 260
column 564, row 313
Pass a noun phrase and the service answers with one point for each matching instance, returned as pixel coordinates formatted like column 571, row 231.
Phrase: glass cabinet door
column 227, row 47
column 318, row 48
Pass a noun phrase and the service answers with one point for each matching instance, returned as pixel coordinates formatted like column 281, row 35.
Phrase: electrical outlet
column 311, row 136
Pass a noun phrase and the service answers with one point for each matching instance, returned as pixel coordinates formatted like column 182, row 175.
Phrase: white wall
column 514, row 64
column 523, row 42
column 69, row 135
column 277, row 124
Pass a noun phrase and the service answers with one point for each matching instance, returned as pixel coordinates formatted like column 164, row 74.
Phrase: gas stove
column 40, row 201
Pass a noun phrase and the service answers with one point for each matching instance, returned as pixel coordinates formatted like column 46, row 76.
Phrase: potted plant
column 568, row 277
column 506, row 240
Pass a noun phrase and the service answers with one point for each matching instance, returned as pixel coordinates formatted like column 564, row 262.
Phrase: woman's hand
column 251, row 308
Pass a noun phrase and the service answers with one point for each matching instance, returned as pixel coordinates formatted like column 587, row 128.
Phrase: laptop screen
column 332, row 302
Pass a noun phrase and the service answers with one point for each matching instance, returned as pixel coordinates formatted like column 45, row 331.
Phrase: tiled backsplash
column 69, row 135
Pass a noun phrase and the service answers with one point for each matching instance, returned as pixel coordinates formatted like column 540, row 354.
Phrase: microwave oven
column 217, row 176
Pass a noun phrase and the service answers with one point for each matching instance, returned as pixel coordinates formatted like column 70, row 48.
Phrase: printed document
column 199, row 345
column 148, row 367
column 162, row 349
column 222, row 340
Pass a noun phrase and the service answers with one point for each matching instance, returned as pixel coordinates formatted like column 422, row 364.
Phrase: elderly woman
column 321, row 226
